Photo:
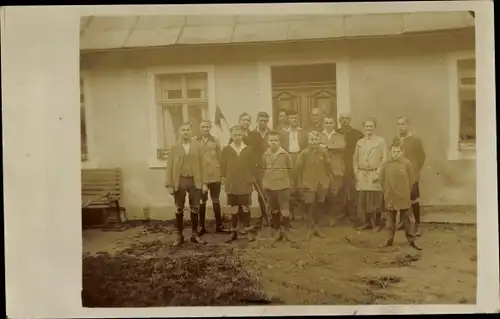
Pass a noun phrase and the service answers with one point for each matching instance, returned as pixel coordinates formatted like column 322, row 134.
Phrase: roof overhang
column 120, row 32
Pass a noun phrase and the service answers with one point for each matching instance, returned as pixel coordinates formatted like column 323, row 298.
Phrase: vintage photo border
column 40, row 67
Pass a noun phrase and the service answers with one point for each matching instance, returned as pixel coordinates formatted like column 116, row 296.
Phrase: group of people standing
column 309, row 172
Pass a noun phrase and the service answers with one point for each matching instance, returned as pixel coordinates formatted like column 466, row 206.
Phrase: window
column 83, row 123
column 462, row 107
column 179, row 98
column 467, row 102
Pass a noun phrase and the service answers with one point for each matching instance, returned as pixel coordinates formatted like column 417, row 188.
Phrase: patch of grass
column 196, row 277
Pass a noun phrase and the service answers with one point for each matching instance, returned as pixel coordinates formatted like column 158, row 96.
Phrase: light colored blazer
column 174, row 163
column 369, row 156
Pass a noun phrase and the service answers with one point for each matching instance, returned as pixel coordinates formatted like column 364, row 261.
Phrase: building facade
column 133, row 99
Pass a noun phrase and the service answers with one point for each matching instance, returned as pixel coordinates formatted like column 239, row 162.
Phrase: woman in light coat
column 369, row 156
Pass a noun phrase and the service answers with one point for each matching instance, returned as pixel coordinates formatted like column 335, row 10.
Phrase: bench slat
column 86, row 170
column 103, row 178
column 100, row 193
column 107, row 203
column 110, row 178
column 101, row 188
column 101, row 182
column 97, row 206
column 96, row 195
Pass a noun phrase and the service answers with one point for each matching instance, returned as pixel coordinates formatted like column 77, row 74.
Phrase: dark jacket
column 313, row 168
column 238, row 171
column 258, row 143
column 414, row 151
column 351, row 137
column 397, row 178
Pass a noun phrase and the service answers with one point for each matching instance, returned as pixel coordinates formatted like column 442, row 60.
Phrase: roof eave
column 249, row 43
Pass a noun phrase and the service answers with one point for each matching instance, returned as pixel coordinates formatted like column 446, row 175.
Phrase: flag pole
column 227, row 124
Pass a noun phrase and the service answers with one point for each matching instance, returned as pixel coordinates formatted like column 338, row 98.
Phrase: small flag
column 219, row 117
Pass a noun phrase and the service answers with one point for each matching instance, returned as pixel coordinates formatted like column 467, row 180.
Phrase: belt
column 186, row 176
column 367, row 169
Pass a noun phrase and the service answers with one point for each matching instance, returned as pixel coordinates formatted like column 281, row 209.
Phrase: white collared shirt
column 329, row 135
column 237, row 149
column 186, row 147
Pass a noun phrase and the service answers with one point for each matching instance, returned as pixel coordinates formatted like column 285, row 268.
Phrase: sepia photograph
column 278, row 160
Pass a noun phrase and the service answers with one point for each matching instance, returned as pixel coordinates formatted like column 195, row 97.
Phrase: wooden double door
column 302, row 98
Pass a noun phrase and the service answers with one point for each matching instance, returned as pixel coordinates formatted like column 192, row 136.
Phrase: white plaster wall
column 392, row 76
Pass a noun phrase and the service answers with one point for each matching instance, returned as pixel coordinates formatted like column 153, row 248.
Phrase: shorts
column 278, row 199
column 187, row 186
column 239, row 200
column 415, row 193
column 309, row 196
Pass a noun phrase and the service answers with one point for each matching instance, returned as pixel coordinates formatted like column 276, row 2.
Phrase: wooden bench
column 101, row 189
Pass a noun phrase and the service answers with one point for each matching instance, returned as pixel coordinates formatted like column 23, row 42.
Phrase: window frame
column 155, row 115
column 456, row 149
column 90, row 161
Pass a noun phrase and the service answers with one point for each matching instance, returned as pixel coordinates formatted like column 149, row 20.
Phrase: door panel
column 325, row 100
column 284, row 100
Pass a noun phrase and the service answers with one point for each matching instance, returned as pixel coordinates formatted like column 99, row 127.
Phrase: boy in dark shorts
column 313, row 171
column 276, row 182
column 397, row 178
column 238, row 169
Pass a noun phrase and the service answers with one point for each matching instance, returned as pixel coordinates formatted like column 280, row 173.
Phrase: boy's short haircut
column 396, row 144
column 263, row 114
column 370, row 119
column 313, row 134
column 273, row 133
column 242, row 115
column 404, row 118
column 206, row 121
column 293, row 113
column 328, row 116
column 186, row 124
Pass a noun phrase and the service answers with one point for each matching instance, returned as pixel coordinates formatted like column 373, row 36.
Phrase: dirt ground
column 346, row 267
